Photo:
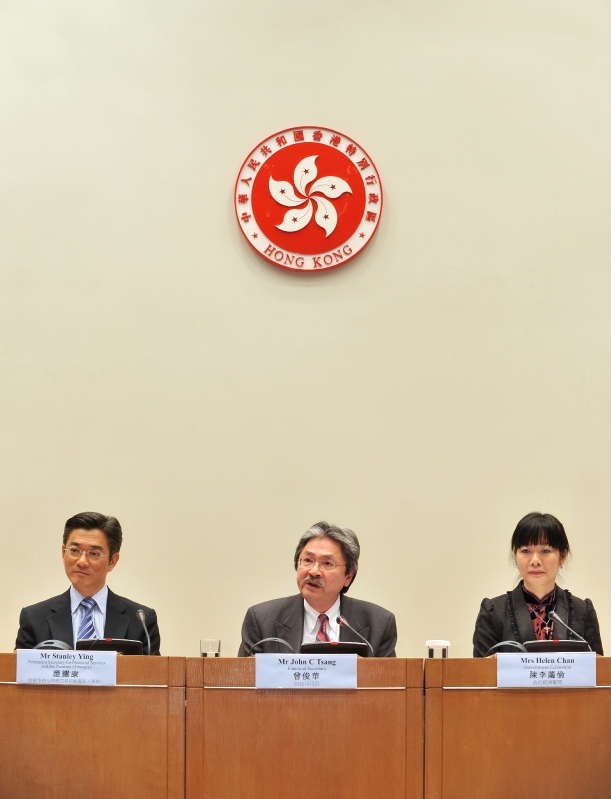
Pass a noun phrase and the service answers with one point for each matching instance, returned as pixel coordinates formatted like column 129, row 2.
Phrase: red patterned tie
column 322, row 635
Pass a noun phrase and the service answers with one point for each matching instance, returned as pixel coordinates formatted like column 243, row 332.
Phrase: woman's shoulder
column 583, row 605
column 495, row 604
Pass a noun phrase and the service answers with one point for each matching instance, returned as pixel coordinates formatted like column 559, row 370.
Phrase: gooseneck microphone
column 140, row 615
column 263, row 640
column 342, row 621
column 517, row 645
column 556, row 617
column 52, row 643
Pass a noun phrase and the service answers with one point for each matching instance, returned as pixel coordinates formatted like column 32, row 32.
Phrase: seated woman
column 540, row 548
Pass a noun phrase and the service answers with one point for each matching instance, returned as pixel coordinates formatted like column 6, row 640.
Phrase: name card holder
column 535, row 670
column 305, row 671
column 66, row 667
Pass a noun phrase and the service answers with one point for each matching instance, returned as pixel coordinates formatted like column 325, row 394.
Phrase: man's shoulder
column 49, row 604
column 122, row 603
column 276, row 606
column 360, row 606
column 348, row 604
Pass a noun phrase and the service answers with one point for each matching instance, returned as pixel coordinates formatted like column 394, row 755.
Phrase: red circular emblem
column 308, row 198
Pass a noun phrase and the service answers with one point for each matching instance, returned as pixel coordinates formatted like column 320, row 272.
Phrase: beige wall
column 453, row 377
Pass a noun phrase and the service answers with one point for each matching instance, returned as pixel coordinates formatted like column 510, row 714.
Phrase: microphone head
column 140, row 614
column 52, row 643
column 339, row 620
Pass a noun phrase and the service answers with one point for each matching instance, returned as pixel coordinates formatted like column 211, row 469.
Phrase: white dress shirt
column 98, row 614
column 311, row 625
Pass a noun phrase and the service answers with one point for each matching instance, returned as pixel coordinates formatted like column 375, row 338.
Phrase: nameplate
column 305, row 671
column 538, row 670
column 66, row 667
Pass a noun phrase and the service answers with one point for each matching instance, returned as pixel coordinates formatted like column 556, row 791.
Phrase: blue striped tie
column 87, row 630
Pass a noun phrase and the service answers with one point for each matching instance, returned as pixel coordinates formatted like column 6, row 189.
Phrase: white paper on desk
column 66, row 667
column 539, row 670
column 305, row 671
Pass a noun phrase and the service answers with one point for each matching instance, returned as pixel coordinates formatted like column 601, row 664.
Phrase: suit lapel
column 290, row 625
column 116, row 620
column 60, row 620
column 562, row 609
column 351, row 611
column 524, row 622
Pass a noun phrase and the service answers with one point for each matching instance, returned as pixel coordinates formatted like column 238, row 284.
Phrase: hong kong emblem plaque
column 308, row 198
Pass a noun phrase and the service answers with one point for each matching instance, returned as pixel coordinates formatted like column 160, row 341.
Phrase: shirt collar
column 531, row 599
column 311, row 616
column 100, row 598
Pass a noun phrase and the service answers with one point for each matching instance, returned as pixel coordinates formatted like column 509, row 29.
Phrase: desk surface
column 274, row 744
column 465, row 672
column 514, row 743
column 371, row 672
column 113, row 743
column 132, row 670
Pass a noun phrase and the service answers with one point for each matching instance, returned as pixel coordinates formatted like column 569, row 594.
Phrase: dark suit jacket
column 283, row 618
column 53, row 619
column 507, row 618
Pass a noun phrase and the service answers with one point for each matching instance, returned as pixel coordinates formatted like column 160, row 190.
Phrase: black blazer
column 283, row 618
column 53, row 619
column 507, row 618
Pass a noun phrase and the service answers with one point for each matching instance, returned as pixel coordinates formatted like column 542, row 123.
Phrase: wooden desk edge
column 481, row 672
column 133, row 670
column 240, row 673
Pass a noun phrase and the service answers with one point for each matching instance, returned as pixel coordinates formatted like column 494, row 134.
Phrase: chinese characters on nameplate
column 65, row 667
column 537, row 670
column 305, row 671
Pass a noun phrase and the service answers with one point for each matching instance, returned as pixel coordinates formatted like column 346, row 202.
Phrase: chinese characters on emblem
column 277, row 176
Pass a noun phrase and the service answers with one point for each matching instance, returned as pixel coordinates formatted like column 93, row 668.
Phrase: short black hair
column 90, row 520
column 540, row 529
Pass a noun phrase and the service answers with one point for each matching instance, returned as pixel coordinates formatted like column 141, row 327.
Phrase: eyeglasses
column 92, row 554
column 323, row 565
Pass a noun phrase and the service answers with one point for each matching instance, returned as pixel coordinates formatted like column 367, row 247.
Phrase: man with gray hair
column 326, row 560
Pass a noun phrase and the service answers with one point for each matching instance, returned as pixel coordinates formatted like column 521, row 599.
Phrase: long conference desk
column 196, row 728
column 59, row 741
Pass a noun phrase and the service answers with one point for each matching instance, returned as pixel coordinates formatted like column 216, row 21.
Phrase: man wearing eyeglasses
column 89, row 609
column 326, row 560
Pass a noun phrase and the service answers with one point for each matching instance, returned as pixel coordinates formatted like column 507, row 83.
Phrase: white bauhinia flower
column 286, row 194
